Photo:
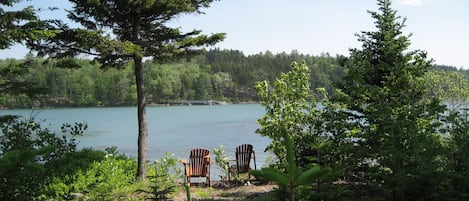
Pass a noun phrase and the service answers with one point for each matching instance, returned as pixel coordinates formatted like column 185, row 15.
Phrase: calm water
column 175, row 129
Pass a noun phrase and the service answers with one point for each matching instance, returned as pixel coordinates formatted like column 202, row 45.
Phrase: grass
column 230, row 192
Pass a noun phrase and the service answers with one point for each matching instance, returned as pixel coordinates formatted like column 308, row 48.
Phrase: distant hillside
column 220, row 75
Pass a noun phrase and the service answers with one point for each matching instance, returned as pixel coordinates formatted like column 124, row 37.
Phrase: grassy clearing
column 251, row 192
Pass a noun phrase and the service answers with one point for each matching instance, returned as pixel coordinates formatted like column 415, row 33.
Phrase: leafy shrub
column 290, row 179
column 294, row 123
column 60, row 185
column 290, row 104
column 109, row 176
column 26, row 151
column 91, row 174
column 163, row 175
column 456, row 185
column 221, row 161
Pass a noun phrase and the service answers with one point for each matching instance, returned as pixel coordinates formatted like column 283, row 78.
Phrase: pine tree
column 139, row 29
column 392, row 123
column 19, row 27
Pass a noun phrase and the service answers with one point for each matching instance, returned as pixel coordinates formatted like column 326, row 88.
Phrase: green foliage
column 455, row 185
column 139, row 29
column 290, row 110
column 18, row 175
column 60, row 184
column 39, row 164
column 15, row 79
column 27, row 155
column 13, row 159
column 65, row 85
column 20, row 26
column 165, row 83
column 221, row 160
column 203, row 86
column 451, row 87
column 147, row 34
column 291, row 178
column 187, row 188
column 24, row 27
column 397, row 148
column 107, row 178
column 25, row 135
column 163, row 177
column 291, row 105
column 204, row 193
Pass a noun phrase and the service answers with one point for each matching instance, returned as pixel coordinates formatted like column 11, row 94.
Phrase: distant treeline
column 222, row 75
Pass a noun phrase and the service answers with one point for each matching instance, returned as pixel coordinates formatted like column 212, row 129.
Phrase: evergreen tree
column 139, row 29
column 19, row 26
column 393, row 125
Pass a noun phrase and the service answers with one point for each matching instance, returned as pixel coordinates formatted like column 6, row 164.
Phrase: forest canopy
column 222, row 75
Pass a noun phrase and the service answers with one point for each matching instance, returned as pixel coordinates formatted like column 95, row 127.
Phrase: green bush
column 221, row 161
column 108, row 176
column 289, row 104
column 26, row 151
column 104, row 178
column 291, row 110
column 59, row 186
column 456, row 185
column 37, row 164
column 164, row 175
column 292, row 178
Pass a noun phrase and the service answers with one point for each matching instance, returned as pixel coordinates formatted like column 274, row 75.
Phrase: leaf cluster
column 163, row 177
column 118, row 31
column 291, row 178
column 28, row 157
column 20, row 26
column 290, row 106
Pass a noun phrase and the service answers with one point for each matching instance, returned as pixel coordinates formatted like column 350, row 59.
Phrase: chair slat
column 243, row 156
column 199, row 164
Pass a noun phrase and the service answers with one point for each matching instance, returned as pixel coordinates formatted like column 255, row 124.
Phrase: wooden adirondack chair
column 244, row 153
column 198, row 165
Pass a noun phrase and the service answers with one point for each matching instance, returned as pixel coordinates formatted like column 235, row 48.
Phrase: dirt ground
column 226, row 191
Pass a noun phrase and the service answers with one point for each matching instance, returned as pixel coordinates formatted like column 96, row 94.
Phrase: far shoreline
column 171, row 104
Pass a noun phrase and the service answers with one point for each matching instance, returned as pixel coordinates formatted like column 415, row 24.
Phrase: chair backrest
column 243, row 157
column 199, row 160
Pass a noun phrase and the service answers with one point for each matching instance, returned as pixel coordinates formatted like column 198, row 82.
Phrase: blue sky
column 440, row 27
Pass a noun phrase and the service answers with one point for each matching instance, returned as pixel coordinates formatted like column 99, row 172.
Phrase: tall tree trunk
column 142, row 121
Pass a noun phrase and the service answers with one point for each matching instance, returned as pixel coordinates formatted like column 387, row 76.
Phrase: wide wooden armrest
column 207, row 159
column 184, row 161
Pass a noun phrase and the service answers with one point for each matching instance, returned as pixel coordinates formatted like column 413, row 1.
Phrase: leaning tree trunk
column 142, row 121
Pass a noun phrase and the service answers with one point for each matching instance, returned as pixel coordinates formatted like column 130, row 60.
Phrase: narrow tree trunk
column 142, row 121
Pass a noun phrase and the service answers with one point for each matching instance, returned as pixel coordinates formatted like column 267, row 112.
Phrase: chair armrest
column 187, row 168
column 208, row 160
